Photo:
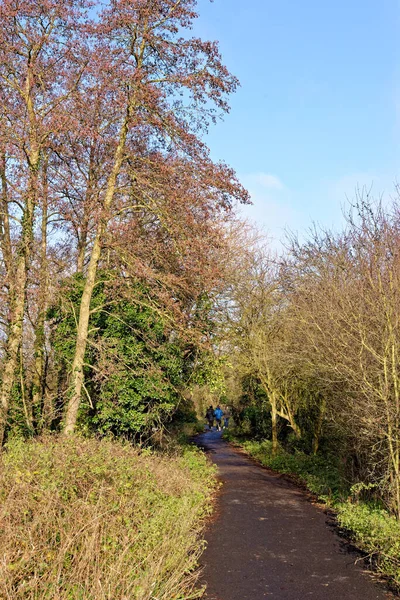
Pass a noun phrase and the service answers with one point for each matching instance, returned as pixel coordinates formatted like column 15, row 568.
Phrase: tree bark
column 24, row 251
column 5, row 235
column 17, row 316
column 25, row 402
column 266, row 382
column 84, row 228
column 38, row 382
column 274, row 427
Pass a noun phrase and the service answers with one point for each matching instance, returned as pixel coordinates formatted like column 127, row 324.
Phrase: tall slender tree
column 40, row 67
column 161, row 88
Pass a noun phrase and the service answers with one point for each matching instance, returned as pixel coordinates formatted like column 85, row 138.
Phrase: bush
column 134, row 368
column 93, row 520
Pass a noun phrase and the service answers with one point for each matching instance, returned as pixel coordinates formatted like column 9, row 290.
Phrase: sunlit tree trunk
column 18, row 307
column 84, row 310
column 38, row 382
column 24, row 251
column 87, row 210
column 5, row 235
column 27, row 406
column 274, row 425
column 272, row 399
column 286, row 413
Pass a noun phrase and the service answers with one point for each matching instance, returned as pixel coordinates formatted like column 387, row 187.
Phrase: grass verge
column 369, row 527
column 83, row 519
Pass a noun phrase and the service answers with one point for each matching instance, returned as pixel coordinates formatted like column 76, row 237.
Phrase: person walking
column 218, row 414
column 210, row 416
column 227, row 416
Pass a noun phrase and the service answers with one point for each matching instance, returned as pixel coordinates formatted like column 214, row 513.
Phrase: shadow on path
column 268, row 541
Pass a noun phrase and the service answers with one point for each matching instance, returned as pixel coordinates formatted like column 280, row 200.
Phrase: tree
column 345, row 298
column 40, row 66
column 102, row 166
column 142, row 46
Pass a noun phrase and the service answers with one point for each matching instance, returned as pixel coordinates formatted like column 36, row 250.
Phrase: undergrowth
column 369, row 526
column 375, row 532
column 321, row 475
column 83, row 519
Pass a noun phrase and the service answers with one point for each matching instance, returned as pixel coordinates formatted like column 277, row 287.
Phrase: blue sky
column 317, row 111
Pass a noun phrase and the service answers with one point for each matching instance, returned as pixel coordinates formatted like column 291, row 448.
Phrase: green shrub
column 134, row 368
column 93, row 520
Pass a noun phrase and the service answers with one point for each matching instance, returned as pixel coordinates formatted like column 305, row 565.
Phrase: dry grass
column 92, row 520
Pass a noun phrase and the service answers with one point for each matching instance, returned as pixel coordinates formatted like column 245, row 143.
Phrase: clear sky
column 318, row 109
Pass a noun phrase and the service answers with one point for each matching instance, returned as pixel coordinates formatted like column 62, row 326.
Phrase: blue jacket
column 218, row 413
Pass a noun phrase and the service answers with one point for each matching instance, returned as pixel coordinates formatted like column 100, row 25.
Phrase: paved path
column 269, row 541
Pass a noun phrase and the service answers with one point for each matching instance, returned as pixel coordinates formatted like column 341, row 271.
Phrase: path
column 269, row 541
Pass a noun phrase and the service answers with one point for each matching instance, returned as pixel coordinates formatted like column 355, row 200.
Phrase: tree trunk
column 50, row 392
column 87, row 208
column 24, row 251
column 84, row 311
column 267, row 385
column 274, row 427
column 25, row 401
column 5, row 234
column 318, row 427
column 81, row 339
column 288, row 416
column 286, row 413
column 17, row 316
column 38, row 382
column 82, row 242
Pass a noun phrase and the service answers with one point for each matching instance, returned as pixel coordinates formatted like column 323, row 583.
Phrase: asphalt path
column 268, row 540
